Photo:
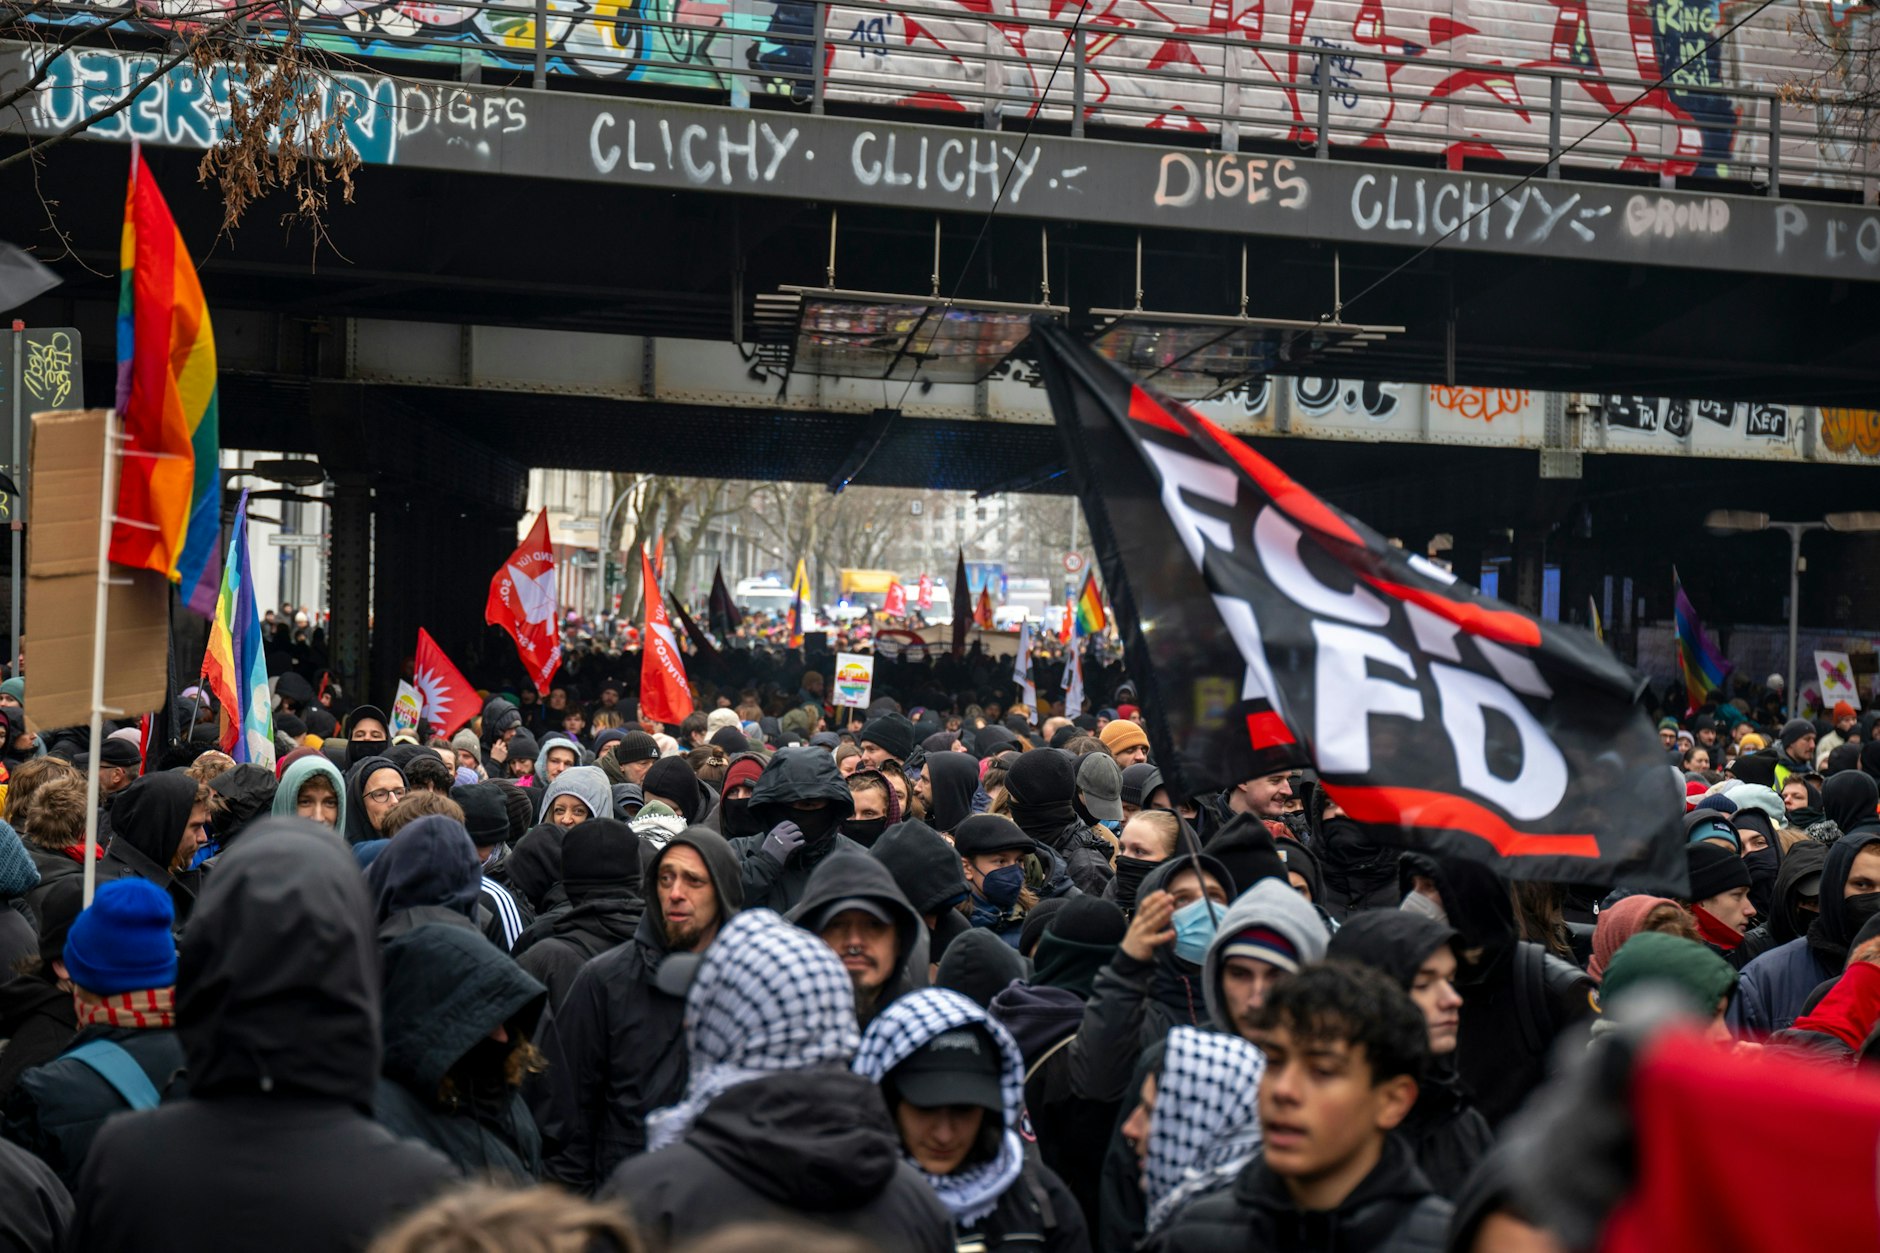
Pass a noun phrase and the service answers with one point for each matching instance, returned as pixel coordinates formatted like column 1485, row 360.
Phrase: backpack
column 113, row 1064
column 1541, row 982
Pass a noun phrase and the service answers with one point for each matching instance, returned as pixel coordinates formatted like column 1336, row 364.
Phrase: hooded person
column 1795, row 904
column 1446, row 1132
column 1776, row 986
column 35, row 1208
column 854, row 904
column 1040, row 789
column 243, row 793
column 952, row 1080
column 427, row 874
column 1849, row 800
column 1517, row 998
column 373, row 786
column 502, row 722
column 1268, row 934
column 298, row 795
column 583, row 785
column 800, row 802
column 927, row 870
column 877, row 807
column 600, row 870
column 120, row 958
column 615, row 1047
column 457, row 1019
column 1195, row 1123
column 278, row 1010
column 555, row 752
column 157, row 824
column 1618, row 923
column 979, row 966
column 1079, row 939
column 949, row 781
column 773, row 1125
column 533, row 868
column 486, row 819
column 1360, row 871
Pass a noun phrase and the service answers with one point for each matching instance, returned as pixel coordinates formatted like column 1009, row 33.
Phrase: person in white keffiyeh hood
column 953, row 1080
column 1198, row 1122
column 774, row 1127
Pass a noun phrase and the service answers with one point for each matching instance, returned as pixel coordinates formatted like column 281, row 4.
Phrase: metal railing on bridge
column 1628, row 85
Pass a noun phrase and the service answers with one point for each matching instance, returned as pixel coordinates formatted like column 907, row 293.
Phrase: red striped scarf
column 153, row 1007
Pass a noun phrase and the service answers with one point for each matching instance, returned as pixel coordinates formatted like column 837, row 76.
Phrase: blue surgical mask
column 1194, row 929
column 1001, row 887
column 1114, row 826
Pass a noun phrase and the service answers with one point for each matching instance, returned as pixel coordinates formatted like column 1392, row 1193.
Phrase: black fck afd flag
column 1267, row 630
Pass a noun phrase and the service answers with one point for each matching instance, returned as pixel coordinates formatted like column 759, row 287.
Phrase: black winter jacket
column 794, row 774
column 1391, row 1211
column 1073, row 1131
column 148, row 819
column 1036, row 1212
column 799, row 1146
column 845, row 876
column 55, row 1110
column 37, row 1022
column 278, row 1006
column 616, row 1044
column 559, row 943
column 35, row 1208
column 445, row 991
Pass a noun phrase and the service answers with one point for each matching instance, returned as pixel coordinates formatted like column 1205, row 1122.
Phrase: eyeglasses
column 386, row 794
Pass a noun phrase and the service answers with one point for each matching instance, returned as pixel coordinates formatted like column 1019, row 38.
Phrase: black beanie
column 731, row 740
column 979, row 965
column 674, row 779
column 893, row 733
column 58, row 910
column 1246, row 848
column 1088, row 920
column 636, row 745
column 485, row 814
column 522, row 747
column 1756, row 768
column 1036, row 920
column 1794, row 729
column 1064, row 735
column 517, row 805
column 1714, row 870
column 598, row 854
column 1043, row 776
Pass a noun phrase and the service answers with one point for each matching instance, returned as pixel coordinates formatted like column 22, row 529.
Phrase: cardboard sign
column 406, row 709
column 62, row 585
column 855, row 674
column 1836, row 675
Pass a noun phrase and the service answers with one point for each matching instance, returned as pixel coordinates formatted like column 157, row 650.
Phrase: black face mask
column 1802, row 819
column 1763, row 864
column 1129, row 873
column 737, row 819
column 865, row 831
column 1858, row 910
column 817, row 825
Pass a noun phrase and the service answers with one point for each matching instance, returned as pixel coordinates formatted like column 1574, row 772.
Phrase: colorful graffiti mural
column 1461, row 78
column 1851, row 431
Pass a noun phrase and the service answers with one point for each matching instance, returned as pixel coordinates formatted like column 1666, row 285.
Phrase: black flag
column 721, row 611
column 962, row 607
column 701, row 643
column 1266, row 629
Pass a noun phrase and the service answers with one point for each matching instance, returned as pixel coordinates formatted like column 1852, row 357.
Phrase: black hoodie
column 428, row 874
column 794, row 774
column 278, row 1009
column 1787, row 919
column 1040, row 787
column 1516, row 997
column 148, row 819
column 848, row 875
column 445, row 991
column 1445, row 1131
column 601, row 875
column 615, row 1045
column 953, row 778
column 814, row 1146
column 359, row 827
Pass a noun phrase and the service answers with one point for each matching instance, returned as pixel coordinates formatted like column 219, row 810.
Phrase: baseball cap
column 958, row 1067
column 1100, row 780
column 866, row 904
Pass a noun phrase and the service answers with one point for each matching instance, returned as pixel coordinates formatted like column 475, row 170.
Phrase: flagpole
column 107, row 506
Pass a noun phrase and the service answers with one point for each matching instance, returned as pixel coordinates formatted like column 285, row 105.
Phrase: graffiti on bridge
column 1851, row 431
column 1676, row 418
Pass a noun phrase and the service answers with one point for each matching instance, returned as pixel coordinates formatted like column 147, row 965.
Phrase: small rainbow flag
column 1090, row 615
column 234, row 665
column 170, row 481
column 1703, row 667
column 800, row 606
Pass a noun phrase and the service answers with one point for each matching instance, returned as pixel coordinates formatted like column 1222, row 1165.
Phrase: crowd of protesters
column 950, row 972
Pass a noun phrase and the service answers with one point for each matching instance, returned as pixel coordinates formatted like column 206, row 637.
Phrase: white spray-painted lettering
column 751, row 152
column 1433, row 208
column 1187, row 180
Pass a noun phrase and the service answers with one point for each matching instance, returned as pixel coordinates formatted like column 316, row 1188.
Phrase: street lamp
column 1736, row 521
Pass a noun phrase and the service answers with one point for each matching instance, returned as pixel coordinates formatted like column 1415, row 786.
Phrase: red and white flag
column 449, row 700
column 523, row 601
column 923, row 597
column 664, row 694
column 895, row 606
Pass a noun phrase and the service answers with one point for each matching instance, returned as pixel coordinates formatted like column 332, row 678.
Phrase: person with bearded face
column 800, row 802
column 457, row 1017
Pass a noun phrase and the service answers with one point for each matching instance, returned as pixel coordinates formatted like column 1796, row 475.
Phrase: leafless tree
column 284, row 129
column 1841, row 82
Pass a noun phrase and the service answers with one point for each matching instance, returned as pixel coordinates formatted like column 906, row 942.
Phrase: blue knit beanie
column 122, row 943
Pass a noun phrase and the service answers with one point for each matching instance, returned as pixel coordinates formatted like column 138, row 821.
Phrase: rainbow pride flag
column 170, row 481
column 1090, row 616
column 234, row 665
column 1703, row 667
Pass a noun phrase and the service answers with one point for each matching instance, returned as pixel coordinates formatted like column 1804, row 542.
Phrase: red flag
column 659, row 558
column 1067, row 629
column 664, row 694
column 896, row 604
column 982, row 611
column 523, row 602
column 923, row 599
column 449, row 700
